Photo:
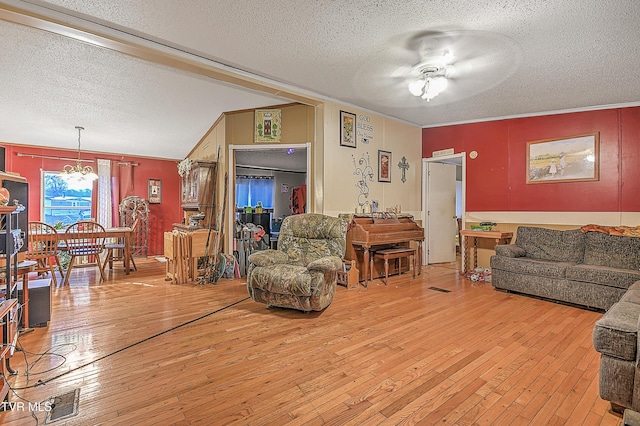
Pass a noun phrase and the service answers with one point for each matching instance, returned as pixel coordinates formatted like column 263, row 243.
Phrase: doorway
column 443, row 202
column 287, row 165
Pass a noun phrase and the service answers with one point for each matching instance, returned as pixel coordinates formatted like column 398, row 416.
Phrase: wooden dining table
column 121, row 232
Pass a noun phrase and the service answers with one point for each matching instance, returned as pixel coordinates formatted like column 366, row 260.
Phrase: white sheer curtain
column 104, row 198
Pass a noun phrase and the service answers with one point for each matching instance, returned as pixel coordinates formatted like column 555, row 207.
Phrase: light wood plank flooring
column 146, row 352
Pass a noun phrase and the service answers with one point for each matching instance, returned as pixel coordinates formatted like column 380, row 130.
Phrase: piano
column 378, row 231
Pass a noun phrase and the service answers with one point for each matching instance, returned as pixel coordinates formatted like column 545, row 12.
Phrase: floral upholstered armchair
column 302, row 273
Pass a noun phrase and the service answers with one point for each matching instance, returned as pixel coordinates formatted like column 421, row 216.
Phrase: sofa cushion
column 526, row 265
column 613, row 277
column 612, row 250
column 551, row 244
column 509, row 250
column 615, row 334
column 617, row 377
column 286, row 279
column 633, row 294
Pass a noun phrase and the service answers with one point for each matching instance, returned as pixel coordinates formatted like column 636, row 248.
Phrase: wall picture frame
column 566, row 159
column 268, row 126
column 347, row 129
column 384, row 166
column 155, row 191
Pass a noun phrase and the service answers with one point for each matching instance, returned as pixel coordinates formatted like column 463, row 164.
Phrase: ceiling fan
column 453, row 64
column 472, row 61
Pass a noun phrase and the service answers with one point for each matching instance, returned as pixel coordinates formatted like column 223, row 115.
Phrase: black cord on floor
column 44, row 382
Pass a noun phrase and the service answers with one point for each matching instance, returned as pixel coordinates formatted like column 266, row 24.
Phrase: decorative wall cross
column 403, row 166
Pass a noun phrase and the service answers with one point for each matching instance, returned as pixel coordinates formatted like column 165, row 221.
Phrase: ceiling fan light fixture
column 416, row 86
column 438, row 85
column 429, row 86
column 433, row 74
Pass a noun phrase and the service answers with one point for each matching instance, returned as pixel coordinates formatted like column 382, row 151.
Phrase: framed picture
column 347, row 129
column 567, row 159
column 384, row 166
column 155, row 191
column 268, row 125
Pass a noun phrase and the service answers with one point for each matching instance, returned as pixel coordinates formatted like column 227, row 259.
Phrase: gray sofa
column 591, row 269
column 615, row 336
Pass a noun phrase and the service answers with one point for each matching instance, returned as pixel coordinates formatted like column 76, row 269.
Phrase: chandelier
column 433, row 75
column 78, row 172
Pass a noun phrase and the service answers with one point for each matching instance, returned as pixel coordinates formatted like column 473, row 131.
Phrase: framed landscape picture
column 566, row 159
column 384, row 166
column 347, row 129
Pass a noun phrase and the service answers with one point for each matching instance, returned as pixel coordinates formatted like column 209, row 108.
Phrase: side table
column 498, row 236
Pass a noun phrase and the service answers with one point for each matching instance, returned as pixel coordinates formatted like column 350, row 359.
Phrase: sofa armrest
column 328, row 263
column 268, row 257
column 510, row 250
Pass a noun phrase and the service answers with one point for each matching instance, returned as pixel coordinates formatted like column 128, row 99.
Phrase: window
column 64, row 202
column 251, row 189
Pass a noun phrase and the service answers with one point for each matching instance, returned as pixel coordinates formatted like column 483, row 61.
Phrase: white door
column 442, row 226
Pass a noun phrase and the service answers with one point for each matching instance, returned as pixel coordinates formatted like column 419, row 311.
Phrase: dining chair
column 116, row 249
column 43, row 249
column 84, row 238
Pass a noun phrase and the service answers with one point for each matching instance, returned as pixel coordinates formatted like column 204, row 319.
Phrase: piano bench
column 395, row 253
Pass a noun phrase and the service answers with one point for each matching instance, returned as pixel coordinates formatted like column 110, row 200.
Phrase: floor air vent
column 440, row 289
column 63, row 406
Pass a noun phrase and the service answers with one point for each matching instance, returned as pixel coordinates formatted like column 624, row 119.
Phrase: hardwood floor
column 144, row 351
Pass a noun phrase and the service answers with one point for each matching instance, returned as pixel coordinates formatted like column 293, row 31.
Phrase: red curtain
column 121, row 186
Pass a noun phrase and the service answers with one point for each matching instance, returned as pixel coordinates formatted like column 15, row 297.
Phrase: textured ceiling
column 512, row 57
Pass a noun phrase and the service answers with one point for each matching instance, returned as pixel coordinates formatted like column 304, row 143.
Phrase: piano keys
column 367, row 233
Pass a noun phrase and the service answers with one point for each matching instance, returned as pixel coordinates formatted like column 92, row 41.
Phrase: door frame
column 458, row 159
column 231, row 193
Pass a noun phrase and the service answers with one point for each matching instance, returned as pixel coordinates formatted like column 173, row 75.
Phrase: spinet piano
column 378, row 231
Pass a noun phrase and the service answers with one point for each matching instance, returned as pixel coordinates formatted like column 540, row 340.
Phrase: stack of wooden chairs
column 177, row 251
column 183, row 250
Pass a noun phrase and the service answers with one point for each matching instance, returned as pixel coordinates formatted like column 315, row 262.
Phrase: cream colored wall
column 401, row 139
column 297, row 126
column 318, row 161
column 207, row 148
column 236, row 128
column 332, row 182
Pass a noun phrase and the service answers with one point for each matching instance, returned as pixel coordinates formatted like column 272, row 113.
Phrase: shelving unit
column 9, row 307
column 198, row 188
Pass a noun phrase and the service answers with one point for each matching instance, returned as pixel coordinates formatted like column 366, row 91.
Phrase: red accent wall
column 496, row 179
column 161, row 216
